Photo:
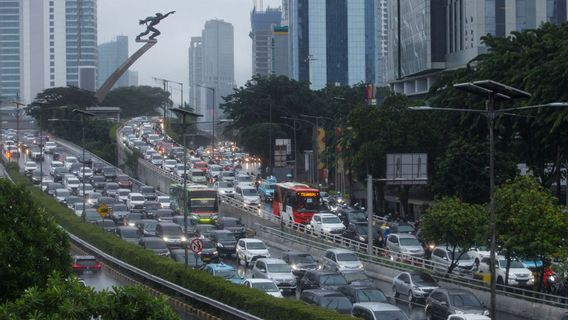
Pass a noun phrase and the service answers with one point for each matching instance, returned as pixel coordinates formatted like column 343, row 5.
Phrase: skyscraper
column 111, row 56
column 332, row 42
column 10, row 77
column 427, row 37
column 195, row 53
column 261, row 35
column 81, row 42
column 381, row 34
column 279, row 58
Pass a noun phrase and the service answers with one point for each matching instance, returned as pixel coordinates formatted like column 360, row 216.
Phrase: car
column 54, row 165
column 52, row 186
column 29, row 167
column 82, row 264
column 351, row 215
column 135, row 201
column 122, row 194
column 225, row 240
column 244, row 180
column 180, row 169
column 156, row 245
column 415, row 285
column 228, row 176
column 156, row 159
column 193, row 260
column 72, row 184
column 109, row 173
column 107, row 225
column 470, row 316
column 124, row 181
column 169, row 164
column 150, row 208
column 209, row 253
column 225, row 188
column 443, row 302
column 69, row 160
column 357, row 294
column 93, row 199
column 132, row 219
column 265, row 285
column 71, row 200
column 249, row 250
column 519, row 275
column 78, row 208
column 164, row 201
column 98, row 182
column 232, row 224
column 49, row 147
column 247, row 195
column 321, row 279
column 62, row 194
column 338, row 259
column 300, row 262
column 377, row 311
column 442, row 258
column 88, row 161
column 147, row 227
column 276, row 270
column 197, row 176
column 128, row 233
column 35, row 154
column 97, row 167
column 404, row 245
column 358, row 231
column 357, row 278
column 325, row 223
column 148, row 192
column 402, row 228
column 86, row 189
column 204, row 229
column 171, row 233
column 36, row 177
column 60, row 174
column 90, row 215
column 86, row 172
column 224, row 271
column 266, row 189
column 328, row 299
column 75, row 168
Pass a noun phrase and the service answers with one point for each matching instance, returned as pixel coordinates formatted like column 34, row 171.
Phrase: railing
column 172, row 288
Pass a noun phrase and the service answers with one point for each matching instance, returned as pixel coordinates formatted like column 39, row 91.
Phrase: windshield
column 390, row 315
column 265, row 286
column 355, row 276
column 137, row 198
column 198, row 173
column 302, row 258
column 371, row 295
column 362, row 229
column 514, row 264
column 355, row 216
column 409, row 242
column 156, row 245
column 256, row 246
column 152, row 206
column 464, row 256
column 208, row 204
column 225, row 185
column 244, row 178
column 63, row 193
column 86, row 262
column 331, row 220
column 308, row 203
column 464, row 300
column 269, row 186
column 150, row 226
column 405, row 229
column 336, row 303
column 249, row 192
column 163, row 200
column 227, row 174
column 171, row 162
column 227, row 274
column 423, row 279
column 230, row 223
column 333, row 280
column 129, row 233
column 278, row 268
column 226, row 237
column 171, row 230
column 348, row 256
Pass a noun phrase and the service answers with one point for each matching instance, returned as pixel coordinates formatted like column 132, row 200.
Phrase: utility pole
column 370, row 214
column 165, row 83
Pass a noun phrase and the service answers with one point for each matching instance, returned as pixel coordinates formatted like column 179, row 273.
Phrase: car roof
column 250, row 240
column 220, row 266
column 377, row 306
column 85, row 257
column 325, row 215
column 325, row 292
column 404, row 235
column 257, row 280
column 339, row 250
column 132, row 194
column 272, row 260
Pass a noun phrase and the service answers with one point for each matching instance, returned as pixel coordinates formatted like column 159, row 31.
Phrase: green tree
column 31, row 243
column 68, row 299
column 454, row 224
column 530, row 224
column 138, row 101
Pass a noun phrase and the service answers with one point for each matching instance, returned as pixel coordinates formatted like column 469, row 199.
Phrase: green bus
column 202, row 202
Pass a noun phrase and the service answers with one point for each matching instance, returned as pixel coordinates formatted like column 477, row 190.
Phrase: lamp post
column 316, row 157
column 295, row 145
column 184, row 114
column 493, row 91
column 212, row 89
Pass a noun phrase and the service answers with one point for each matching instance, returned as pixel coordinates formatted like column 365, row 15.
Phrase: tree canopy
column 138, row 101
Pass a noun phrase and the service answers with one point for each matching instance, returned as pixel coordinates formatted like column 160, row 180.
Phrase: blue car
column 266, row 189
column 222, row 270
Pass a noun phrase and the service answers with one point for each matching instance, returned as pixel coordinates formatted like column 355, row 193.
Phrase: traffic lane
column 103, row 280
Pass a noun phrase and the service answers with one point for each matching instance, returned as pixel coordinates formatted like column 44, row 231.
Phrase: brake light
column 77, row 266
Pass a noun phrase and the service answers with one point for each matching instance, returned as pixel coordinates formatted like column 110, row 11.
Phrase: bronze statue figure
column 150, row 23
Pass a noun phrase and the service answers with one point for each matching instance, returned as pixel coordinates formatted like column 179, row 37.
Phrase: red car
column 86, row 263
column 124, row 181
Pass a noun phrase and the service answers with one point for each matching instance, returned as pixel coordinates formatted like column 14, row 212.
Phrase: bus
column 295, row 202
column 202, row 202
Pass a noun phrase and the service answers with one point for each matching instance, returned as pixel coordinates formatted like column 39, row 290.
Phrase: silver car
column 340, row 260
column 442, row 259
column 415, row 285
column 405, row 245
column 276, row 270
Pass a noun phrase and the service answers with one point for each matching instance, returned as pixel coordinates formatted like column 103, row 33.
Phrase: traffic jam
column 138, row 213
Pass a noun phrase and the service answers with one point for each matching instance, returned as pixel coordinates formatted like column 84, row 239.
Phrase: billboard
column 407, row 168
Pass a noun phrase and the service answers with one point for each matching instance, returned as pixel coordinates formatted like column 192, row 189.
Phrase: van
column 171, row 233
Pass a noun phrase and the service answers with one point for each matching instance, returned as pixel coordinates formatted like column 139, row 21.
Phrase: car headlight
column 166, row 239
column 294, row 267
column 183, row 239
column 219, row 244
column 361, row 238
column 360, row 267
column 486, row 313
column 215, row 252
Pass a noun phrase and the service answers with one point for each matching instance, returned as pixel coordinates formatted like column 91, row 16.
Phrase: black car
column 109, row 173
column 205, row 230
column 363, row 294
column 225, row 241
column 232, row 224
column 359, row 232
column 98, row 182
column 193, row 260
column 209, row 253
column 97, row 167
column 191, row 223
column 315, row 279
column 351, row 215
column 59, row 174
column 128, row 233
column 107, row 225
column 36, row 177
column 132, row 218
column 300, row 262
column 402, row 227
column 149, row 193
column 164, row 215
column 147, row 227
column 75, row 168
column 156, row 245
column 150, row 208
column 88, row 161
column 328, row 299
column 443, row 302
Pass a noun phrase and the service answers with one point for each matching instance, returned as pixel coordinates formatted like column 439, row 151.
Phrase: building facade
column 426, row 37
column 10, row 42
column 261, row 35
column 332, row 42
column 195, row 54
column 81, row 43
column 279, row 51
column 111, row 56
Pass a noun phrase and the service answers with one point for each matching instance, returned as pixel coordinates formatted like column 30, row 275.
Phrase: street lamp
column 493, row 91
column 295, row 145
column 212, row 89
column 316, row 128
column 184, row 113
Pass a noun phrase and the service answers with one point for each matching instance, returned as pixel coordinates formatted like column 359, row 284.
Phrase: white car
column 169, row 164
column 180, row 169
column 326, row 223
column 55, row 165
column 49, row 147
column 519, row 275
column 69, row 160
column 248, row 195
column 197, row 176
column 468, row 316
column 243, row 180
column 45, row 182
column 478, row 253
column 78, row 208
column 265, row 285
column 225, row 188
column 156, row 159
column 30, row 166
column 135, row 201
column 72, row 183
column 164, row 201
column 249, row 250
column 339, row 260
column 122, row 194
column 86, row 171
column 88, row 189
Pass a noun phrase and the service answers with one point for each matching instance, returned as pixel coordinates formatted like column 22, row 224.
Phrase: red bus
column 295, row 201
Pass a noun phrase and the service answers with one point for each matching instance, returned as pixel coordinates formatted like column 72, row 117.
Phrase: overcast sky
column 168, row 58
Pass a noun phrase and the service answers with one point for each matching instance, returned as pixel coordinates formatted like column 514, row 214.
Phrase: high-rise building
column 111, row 56
column 81, row 42
column 381, row 34
column 332, row 42
column 278, row 58
column 10, row 44
column 261, row 35
column 427, row 37
column 212, row 68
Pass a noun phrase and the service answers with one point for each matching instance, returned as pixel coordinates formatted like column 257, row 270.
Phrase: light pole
column 184, row 114
column 316, row 128
column 212, row 89
column 493, row 91
column 295, row 145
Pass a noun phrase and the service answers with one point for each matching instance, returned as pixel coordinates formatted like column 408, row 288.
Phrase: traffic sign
column 196, row 245
column 103, row 210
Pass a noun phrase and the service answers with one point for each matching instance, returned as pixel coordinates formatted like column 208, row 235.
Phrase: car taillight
column 77, row 266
